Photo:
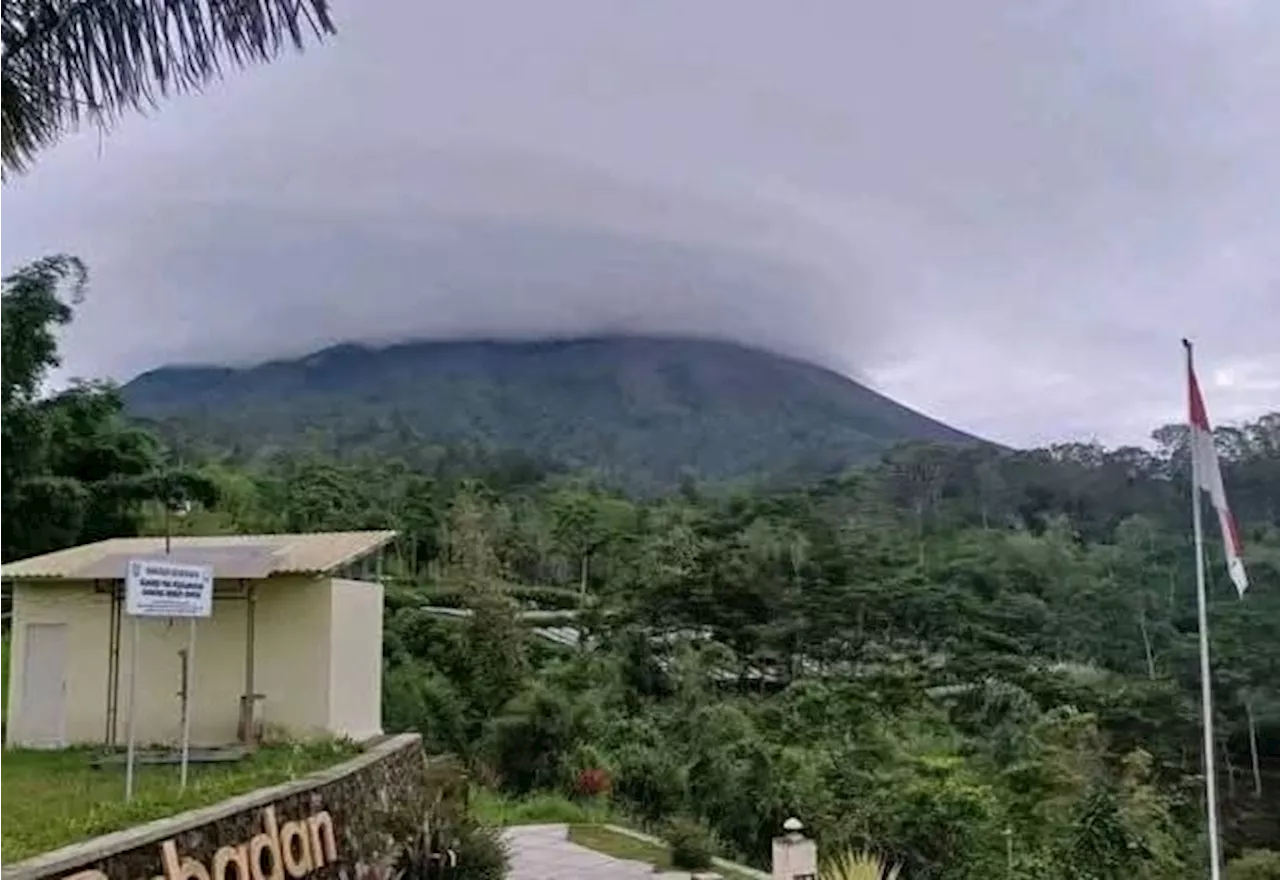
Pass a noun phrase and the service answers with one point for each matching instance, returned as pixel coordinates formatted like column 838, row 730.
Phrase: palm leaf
column 859, row 866
column 67, row 61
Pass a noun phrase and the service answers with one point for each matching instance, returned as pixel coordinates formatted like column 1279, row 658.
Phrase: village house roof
column 236, row 557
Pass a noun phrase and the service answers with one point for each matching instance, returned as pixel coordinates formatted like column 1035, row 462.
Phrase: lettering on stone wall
column 292, row 850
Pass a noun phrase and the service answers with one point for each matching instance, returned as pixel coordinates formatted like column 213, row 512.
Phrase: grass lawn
column 52, row 798
column 611, row 843
column 620, row 846
column 495, row 808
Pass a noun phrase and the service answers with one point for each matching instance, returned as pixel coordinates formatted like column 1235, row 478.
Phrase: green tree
column 496, row 647
column 74, row 468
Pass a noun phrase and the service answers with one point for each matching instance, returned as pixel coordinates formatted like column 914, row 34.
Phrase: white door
column 43, row 723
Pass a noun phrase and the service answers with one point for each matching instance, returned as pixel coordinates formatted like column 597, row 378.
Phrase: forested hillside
column 640, row 412
column 976, row 662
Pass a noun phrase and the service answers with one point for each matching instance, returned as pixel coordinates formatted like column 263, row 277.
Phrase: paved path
column 543, row 852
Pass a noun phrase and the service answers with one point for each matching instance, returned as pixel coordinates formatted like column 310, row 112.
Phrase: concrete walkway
column 543, row 852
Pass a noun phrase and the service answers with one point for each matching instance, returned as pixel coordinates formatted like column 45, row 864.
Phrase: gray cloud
column 1006, row 212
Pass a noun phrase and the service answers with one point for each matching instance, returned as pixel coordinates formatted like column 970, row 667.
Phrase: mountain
column 642, row 410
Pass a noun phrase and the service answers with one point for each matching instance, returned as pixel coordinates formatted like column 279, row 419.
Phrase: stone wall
column 336, row 823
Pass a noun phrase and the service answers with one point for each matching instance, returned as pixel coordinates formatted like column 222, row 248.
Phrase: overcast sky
column 1002, row 212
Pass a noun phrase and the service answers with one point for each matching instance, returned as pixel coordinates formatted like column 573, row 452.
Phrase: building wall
column 293, row 632
column 218, row 666
column 355, row 662
column 78, row 607
column 217, row 673
column 317, row 661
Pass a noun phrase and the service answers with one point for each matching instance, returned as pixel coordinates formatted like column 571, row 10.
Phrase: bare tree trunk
column 920, row 529
column 1231, row 771
column 1253, row 749
column 1146, row 644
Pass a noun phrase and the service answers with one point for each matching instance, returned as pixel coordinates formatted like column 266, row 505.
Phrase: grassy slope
column 54, row 798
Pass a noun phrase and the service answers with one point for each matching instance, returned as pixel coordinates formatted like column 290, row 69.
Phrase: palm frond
column 859, row 866
column 68, row 61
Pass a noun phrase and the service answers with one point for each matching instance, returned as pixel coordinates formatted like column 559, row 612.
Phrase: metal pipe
column 188, row 657
column 115, row 700
column 111, row 662
column 133, row 710
column 249, row 698
column 117, row 604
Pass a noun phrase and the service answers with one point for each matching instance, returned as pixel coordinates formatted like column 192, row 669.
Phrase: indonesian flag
column 1207, row 474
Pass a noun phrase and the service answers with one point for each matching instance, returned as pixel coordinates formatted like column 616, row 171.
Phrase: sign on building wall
column 160, row 588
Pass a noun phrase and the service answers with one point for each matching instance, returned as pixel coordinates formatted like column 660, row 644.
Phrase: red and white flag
column 1208, row 476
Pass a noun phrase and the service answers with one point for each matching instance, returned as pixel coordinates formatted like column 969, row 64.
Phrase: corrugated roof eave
column 298, row 554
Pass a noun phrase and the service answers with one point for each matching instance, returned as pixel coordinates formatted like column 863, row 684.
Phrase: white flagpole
column 1206, row 686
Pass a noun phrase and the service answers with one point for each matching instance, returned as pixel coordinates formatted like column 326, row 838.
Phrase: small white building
column 293, row 647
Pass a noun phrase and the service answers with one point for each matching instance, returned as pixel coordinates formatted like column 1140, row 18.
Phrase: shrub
column 650, row 781
column 482, row 853
column 526, row 744
column 692, row 844
column 415, row 697
column 592, row 782
column 495, row 808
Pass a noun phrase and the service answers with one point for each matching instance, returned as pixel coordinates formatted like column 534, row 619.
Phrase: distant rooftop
column 235, row 557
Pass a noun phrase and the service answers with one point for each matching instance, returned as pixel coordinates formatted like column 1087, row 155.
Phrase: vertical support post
column 115, row 681
column 131, row 755
column 113, row 657
column 188, row 681
column 249, row 699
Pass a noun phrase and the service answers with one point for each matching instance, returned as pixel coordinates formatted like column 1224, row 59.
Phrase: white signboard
column 160, row 588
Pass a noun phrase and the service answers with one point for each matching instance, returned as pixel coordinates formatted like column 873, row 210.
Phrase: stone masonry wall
column 336, row 823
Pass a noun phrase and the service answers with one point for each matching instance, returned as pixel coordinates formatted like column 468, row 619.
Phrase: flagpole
column 1206, row 686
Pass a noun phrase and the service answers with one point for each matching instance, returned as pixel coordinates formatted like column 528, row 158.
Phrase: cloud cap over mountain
column 1006, row 214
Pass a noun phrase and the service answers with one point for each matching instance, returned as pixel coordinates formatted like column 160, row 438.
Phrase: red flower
column 592, row 782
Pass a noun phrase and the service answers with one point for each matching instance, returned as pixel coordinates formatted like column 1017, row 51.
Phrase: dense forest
column 640, row 412
column 976, row 662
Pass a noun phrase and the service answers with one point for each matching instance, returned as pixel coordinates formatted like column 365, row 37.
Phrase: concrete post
column 795, row 857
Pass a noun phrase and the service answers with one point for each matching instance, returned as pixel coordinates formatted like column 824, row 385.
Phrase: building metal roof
column 235, row 557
